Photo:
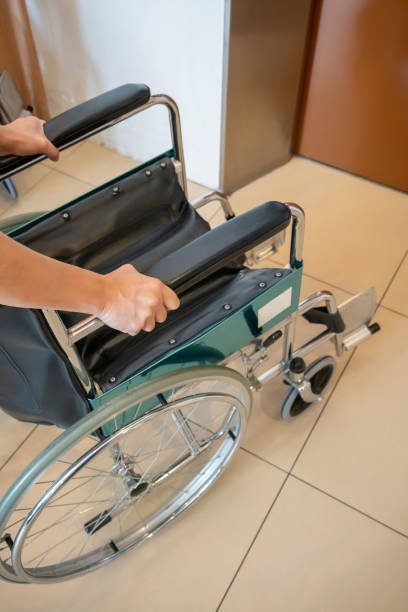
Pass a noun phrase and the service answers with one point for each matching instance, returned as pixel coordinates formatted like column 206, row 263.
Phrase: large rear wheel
column 76, row 514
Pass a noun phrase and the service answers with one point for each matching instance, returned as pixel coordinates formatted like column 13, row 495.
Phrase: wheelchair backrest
column 137, row 218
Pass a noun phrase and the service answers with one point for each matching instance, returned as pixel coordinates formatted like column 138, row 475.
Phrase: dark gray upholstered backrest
column 137, row 219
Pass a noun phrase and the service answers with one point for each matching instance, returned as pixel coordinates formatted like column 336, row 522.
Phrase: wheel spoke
column 160, row 463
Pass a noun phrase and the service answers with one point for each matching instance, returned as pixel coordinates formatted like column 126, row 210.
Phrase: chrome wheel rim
column 232, row 406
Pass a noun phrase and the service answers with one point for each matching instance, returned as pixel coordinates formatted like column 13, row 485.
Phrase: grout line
column 321, row 412
column 320, row 280
column 288, row 474
column 394, row 311
column 344, row 369
column 75, row 178
column 330, row 284
column 34, row 184
column 349, row 173
column 341, row 501
column 252, row 543
column 306, row 441
column 66, row 153
column 18, row 447
column 392, row 279
column 284, row 482
column 264, row 460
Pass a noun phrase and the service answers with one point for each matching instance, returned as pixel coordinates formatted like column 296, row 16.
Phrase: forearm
column 32, row 280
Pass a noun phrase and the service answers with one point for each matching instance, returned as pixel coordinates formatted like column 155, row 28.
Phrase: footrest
column 358, row 310
column 357, row 313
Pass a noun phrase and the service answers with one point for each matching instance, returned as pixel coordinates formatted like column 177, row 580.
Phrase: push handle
column 82, row 121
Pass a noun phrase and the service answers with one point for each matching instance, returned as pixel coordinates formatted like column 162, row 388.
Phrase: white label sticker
column 274, row 307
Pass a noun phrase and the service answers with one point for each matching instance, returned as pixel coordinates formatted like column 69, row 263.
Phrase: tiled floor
column 312, row 515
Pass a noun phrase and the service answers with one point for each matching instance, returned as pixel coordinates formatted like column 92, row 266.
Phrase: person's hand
column 135, row 301
column 26, row 137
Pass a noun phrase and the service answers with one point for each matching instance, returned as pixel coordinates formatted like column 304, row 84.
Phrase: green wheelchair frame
column 184, row 414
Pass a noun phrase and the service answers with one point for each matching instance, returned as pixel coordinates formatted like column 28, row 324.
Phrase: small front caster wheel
column 319, row 373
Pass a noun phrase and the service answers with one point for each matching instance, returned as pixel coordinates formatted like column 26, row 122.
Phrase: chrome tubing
column 67, row 338
column 82, row 329
column 175, row 129
column 215, row 196
column 61, row 335
column 331, row 305
column 297, row 238
column 315, row 299
column 311, row 302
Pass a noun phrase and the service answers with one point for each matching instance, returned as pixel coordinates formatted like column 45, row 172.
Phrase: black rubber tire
column 319, row 373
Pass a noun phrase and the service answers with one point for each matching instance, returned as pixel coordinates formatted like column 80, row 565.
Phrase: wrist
column 7, row 141
column 103, row 294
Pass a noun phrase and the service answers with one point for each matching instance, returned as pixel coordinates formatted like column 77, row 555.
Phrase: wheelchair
column 149, row 422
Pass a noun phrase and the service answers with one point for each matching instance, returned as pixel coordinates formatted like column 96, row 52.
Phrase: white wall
column 86, row 47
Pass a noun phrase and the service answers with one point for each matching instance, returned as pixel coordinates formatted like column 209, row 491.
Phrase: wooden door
column 19, row 57
column 354, row 114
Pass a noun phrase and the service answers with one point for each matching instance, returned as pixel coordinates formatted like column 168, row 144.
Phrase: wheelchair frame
column 347, row 326
column 68, row 337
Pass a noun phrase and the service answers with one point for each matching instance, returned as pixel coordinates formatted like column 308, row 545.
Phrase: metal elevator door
column 264, row 50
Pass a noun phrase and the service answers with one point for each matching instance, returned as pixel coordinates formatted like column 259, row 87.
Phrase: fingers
column 170, row 299
column 157, row 314
column 135, row 302
column 49, row 150
column 149, row 324
column 164, row 299
column 160, row 314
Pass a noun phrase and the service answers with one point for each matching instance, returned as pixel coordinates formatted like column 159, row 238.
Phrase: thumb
column 170, row 299
column 49, row 150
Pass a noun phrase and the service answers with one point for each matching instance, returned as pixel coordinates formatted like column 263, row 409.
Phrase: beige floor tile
column 195, row 190
column 96, row 164
column 212, row 212
column 316, row 555
column 50, row 192
column 187, row 566
column 358, row 451
column 63, row 156
column 397, row 295
column 356, row 230
column 23, row 181
column 32, row 446
column 268, row 436
column 13, row 433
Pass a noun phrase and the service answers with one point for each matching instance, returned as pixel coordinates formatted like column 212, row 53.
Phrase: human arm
column 124, row 299
column 26, row 136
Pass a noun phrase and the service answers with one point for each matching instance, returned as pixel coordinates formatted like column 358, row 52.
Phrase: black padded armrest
column 210, row 252
column 220, row 246
column 77, row 122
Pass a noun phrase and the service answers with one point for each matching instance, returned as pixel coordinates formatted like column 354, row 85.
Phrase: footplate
column 357, row 313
